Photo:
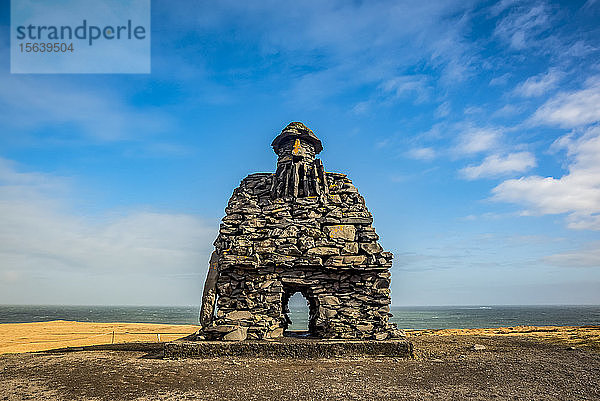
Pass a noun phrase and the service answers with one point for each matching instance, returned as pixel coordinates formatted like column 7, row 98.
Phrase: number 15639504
column 46, row 47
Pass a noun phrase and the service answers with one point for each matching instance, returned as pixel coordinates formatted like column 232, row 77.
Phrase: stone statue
column 303, row 230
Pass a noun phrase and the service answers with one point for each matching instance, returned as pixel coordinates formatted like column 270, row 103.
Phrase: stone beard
column 298, row 230
column 298, row 173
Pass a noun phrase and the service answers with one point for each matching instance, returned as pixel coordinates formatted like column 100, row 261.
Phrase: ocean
column 413, row 317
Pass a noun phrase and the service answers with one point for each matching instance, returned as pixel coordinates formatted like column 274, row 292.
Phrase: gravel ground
column 446, row 367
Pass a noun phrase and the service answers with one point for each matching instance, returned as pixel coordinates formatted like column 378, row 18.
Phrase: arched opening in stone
column 300, row 312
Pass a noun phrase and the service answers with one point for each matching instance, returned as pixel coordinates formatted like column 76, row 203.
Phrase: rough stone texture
column 512, row 367
column 289, row 349
column 303, row 230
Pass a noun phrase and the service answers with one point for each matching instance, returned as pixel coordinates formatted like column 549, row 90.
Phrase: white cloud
column 589, row 4
column 507, row 110
column 583, row 222
column 579, row 49
column 476, row 140
column 588, row 256
column 345, row 45
column 501, row 80
column 571, row 109
column 577, row 193
column 443, row 110
column 500, row 6
column 539, row 84
column 422, row 153
column 408, row 86
column 522, row 25
column 28, row 184
column 42, row 234
column 498, row 165
column 472, row 110
column 361, row 107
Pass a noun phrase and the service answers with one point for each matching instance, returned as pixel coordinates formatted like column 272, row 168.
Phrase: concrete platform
column 289, row 347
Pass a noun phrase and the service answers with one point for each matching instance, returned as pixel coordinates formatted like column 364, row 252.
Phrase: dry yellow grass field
column 576, row 336
column 32, row 337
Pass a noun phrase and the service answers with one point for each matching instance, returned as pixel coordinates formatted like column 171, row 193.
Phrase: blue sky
column 472, row 129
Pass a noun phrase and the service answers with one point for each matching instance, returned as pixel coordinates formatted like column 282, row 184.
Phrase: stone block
column 329, row 313
column 276, row 333
column 345, row 232
column 323, row 251
column 354, row 260
column 371, row 247
column 239, row 315
column 350, row 248
column 349, row 260
column 238, row 334
column 329, row 300
column 365, row 328
column 382, row 336
column 366, row 236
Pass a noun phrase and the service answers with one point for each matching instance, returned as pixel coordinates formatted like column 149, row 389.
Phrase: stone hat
column 297, row 130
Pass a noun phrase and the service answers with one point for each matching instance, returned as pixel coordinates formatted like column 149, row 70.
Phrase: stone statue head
column 296, row 142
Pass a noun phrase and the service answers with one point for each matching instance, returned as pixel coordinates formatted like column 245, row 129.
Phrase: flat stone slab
column 289, row 348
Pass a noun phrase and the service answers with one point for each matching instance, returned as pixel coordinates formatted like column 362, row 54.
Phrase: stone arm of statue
column 209, row 295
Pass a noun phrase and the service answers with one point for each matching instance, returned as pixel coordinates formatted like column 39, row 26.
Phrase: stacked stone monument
column 303, row 230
